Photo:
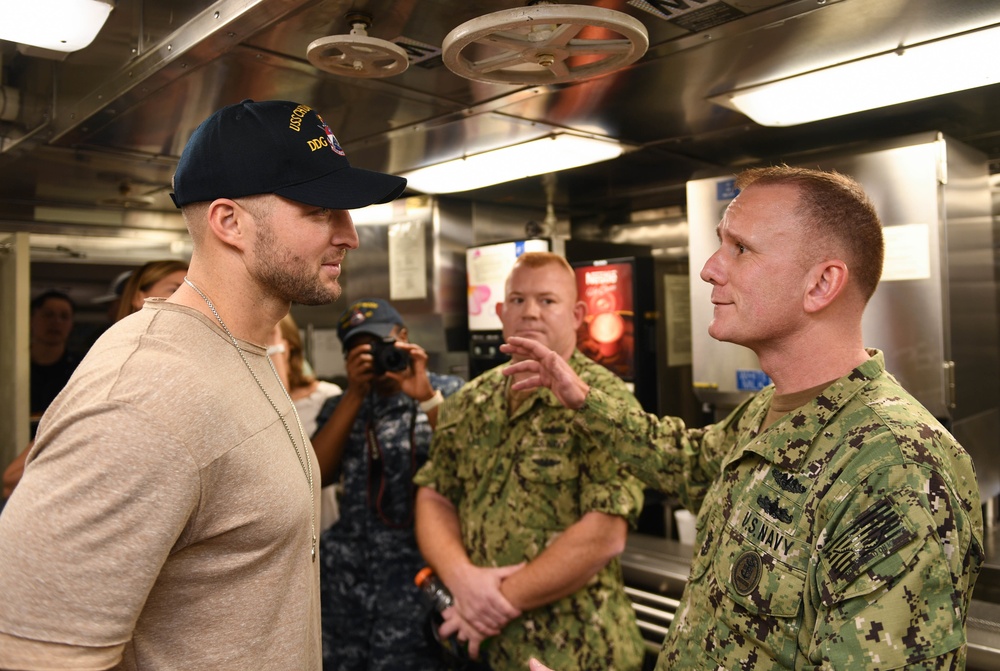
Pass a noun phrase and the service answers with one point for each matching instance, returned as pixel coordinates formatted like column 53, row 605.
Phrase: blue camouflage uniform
column 373, row 614
column 845, row 535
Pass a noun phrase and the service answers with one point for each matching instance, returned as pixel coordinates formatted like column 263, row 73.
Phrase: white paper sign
column 907, row 252
column 407, row 261
column 677, row 296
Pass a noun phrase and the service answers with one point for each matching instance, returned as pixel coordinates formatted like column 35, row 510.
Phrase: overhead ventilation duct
column 357, row 54
column 544, row 44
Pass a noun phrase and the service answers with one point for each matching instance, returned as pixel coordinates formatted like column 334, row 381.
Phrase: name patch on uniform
column 766, row 534
column 747, row 570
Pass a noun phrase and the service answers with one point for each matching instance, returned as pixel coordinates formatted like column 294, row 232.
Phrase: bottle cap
column 424, row 573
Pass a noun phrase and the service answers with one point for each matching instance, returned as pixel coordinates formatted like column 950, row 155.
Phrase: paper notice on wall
column 407, row 261
column 907, row 252
column 677, row 296
column 325, row 353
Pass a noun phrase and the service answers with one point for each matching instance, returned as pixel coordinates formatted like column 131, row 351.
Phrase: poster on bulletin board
column 487, row 267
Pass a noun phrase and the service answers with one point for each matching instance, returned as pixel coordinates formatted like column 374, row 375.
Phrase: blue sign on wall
column 751, row 380
column 725, row 190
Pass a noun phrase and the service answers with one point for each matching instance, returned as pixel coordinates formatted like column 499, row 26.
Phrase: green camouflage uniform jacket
column 517, row 483
column 847, row 535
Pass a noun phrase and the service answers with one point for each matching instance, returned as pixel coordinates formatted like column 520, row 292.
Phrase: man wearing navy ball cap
column 275, row 147
column 167, row 517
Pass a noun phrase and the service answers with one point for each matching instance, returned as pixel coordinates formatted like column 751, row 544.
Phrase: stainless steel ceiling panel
column 207, row 36
column 839, row 32
column 120, row 111
column 167, row 117
column 460, row 137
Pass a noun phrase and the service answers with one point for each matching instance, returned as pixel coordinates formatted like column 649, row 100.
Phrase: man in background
column 111, row 299
column 373, row 439
column 52, row 363
column 523, row 518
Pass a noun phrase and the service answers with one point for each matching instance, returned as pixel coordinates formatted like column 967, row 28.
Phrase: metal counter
column 656, row 570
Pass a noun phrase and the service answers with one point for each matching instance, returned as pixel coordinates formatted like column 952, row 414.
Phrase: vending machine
column 619, row 329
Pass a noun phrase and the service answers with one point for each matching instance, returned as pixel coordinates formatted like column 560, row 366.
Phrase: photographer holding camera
column 375, row 436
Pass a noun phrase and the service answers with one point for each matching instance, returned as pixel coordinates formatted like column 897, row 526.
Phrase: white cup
column 685, row 520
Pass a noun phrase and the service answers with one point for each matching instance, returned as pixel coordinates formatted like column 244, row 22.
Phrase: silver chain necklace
column 304, row 460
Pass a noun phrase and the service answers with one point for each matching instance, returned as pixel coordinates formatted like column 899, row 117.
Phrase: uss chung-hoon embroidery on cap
column 334, row 145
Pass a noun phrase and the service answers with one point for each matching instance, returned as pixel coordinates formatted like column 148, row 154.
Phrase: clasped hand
column 481, row 610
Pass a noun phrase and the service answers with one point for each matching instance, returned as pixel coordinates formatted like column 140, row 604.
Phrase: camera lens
column 388, row 358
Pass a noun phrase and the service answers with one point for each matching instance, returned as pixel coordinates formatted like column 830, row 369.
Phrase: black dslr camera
column 387, row 357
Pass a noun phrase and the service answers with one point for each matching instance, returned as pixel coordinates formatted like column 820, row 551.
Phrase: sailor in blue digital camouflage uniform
column 377, row 434
column 839, row 524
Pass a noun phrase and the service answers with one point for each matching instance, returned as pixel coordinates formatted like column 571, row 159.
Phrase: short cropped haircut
column 837, row 209
column 542, row 259
column 534, row 260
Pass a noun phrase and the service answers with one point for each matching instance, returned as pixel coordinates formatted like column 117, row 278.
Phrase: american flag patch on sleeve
column 877, row 533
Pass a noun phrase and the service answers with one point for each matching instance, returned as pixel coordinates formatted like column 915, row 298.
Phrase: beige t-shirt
column 163, row 516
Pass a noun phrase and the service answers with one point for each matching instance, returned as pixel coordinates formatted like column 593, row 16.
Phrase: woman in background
column 156, row 279
column 308, row 394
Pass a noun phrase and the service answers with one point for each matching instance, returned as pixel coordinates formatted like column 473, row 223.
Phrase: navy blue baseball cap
column 373, row 316
column 280, row 147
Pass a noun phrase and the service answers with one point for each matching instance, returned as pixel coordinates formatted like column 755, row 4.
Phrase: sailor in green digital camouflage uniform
column 839, row 524
column 511, row 485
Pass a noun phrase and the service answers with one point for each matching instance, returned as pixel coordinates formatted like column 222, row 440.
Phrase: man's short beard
column 276, row 268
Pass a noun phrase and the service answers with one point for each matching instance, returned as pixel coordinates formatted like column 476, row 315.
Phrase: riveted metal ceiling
column 97, row 135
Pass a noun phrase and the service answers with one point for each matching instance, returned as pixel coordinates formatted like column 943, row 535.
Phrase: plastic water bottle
column 433, row 589
column 437, row 595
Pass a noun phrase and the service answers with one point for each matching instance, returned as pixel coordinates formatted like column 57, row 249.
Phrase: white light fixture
column 414, row 208
column 373, row 214
column 934, row 68
column 57, row 25
column 559, row 151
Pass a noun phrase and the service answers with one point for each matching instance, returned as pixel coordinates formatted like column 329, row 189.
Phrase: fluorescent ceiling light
column 58, row 25
column 560, row 151
column 415, row 208
column 373, row 214
column 924, row 70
